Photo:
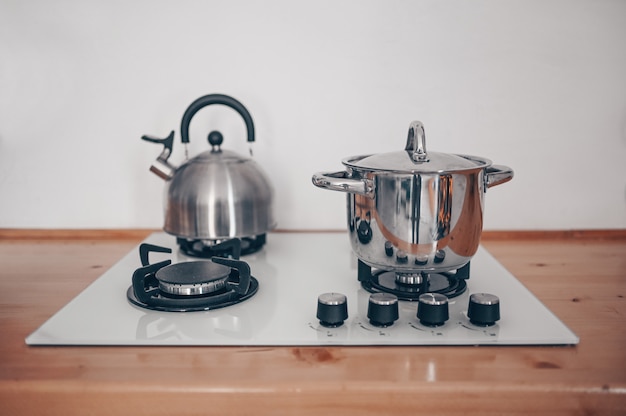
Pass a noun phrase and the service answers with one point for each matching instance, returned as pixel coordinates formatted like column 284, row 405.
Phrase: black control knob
column 440, row 255
column 382, row 309
column 388, row 248
column 402, row 257
column 421, row 259
column 332, row 309
column 432, row 309
column 364, row 232
column 483, row 309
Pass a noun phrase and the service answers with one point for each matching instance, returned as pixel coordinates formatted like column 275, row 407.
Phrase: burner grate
column 199, row 285
column 160, row 301
column 450, row 284
column 233, row 247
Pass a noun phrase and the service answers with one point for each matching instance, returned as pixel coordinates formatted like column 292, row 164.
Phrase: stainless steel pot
column 217, row 194
column 415, row 210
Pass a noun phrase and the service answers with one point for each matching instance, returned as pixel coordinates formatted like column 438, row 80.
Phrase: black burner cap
column 192, row 272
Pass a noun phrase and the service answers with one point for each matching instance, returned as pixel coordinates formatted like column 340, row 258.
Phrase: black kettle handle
column 215, row 99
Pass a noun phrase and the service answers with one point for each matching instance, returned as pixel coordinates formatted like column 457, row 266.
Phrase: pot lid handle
column 416, row 143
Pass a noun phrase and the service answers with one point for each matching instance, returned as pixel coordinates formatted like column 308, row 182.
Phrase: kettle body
column 218, row 194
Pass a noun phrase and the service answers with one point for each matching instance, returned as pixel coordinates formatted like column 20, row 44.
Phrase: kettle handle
column 215, row 99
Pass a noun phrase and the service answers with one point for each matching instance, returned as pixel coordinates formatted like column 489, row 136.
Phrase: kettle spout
column 161, row 167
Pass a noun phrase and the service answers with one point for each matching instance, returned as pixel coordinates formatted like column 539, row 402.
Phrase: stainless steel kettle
column 218, row 194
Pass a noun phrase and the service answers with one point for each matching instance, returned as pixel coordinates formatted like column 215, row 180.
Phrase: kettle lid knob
column 215, row 140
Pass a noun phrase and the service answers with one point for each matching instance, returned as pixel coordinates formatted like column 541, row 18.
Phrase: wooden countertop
column 580, row 276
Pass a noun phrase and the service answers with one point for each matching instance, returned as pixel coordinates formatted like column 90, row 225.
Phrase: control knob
column 382, row 309
column 432, row 309
column 440, row 255
column 364, row 232
column 388, row 248
column 483, row 309
column 421, row 259
column 332, row 309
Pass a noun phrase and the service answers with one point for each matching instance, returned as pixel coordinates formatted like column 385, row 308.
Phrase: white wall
column 537, row 85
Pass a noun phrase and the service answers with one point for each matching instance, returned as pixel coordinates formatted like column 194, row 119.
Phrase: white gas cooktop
column 293, row 269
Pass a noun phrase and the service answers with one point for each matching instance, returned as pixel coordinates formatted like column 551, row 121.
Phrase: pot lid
column 415, row 159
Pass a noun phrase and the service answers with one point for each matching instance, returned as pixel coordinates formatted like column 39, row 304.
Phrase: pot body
column 415, row 211
column 217, row 200
column 429, row 222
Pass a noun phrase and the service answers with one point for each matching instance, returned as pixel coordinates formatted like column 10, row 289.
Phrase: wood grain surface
column 581, row 278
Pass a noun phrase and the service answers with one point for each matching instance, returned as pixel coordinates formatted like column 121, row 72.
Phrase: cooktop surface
column 293, row 270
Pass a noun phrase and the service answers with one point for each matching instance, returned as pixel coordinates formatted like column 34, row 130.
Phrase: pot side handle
column 497, row 174
column 339, row 181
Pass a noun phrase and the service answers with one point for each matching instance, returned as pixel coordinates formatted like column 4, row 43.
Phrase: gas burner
column 189, row 286
column 409, row 286
column 233, row 247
